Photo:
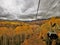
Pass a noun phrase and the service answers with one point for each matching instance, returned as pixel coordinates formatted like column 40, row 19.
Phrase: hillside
column 39, row 38
column 28, row 33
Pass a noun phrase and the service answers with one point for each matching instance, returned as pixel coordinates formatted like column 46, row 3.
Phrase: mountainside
column 28, row 33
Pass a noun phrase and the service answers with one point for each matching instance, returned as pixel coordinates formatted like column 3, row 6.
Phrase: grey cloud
column 20, row 9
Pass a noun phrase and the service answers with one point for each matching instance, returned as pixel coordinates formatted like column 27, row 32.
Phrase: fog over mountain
column 27, row 9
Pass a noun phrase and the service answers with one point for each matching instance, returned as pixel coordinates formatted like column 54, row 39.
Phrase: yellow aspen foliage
column 45, row 28
column 3, row 30
column 23, row 29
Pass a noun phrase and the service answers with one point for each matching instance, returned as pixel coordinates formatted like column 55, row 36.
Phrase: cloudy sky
column 27, row 9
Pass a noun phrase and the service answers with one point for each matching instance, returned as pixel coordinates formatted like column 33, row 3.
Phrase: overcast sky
column 27, row 9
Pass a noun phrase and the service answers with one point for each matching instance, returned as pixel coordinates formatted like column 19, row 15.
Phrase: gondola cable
column 38, row 8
